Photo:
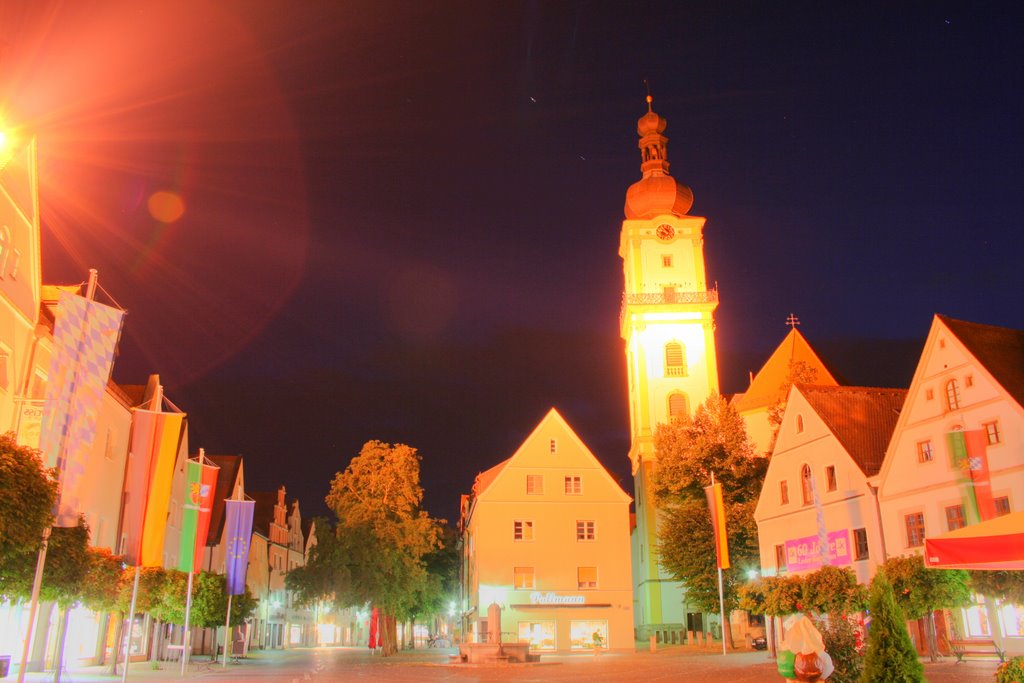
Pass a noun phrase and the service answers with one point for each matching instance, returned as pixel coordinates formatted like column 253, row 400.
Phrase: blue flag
column 238, row 525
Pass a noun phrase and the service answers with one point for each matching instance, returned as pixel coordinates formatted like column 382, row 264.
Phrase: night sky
column 401, row 219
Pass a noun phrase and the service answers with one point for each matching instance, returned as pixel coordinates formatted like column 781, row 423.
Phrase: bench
column 976, row 646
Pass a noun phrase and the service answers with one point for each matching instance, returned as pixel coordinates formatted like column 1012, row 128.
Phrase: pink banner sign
column 805, row 553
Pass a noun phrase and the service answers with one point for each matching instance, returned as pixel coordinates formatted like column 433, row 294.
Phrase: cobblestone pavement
column 327, row 665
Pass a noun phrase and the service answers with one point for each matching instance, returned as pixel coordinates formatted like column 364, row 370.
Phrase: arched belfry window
column 805, row 484
column 675, row 360
column 678, row 405
column 952, row 395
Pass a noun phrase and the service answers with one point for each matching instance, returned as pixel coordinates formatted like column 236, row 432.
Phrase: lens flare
column 166, row 207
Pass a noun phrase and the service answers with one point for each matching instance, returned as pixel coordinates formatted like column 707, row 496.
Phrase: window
column 522, row 530
column 1002, row 506
column 553, row 446
column 678, row 405
column 5, row 359
column 860, row 544
column 955, row 517
column 929, row 394
column 666, row 260
column 992, row 432
column 534, row 484
column 952, row 395
column 783, row 492
column 588, row 635
column 830, row 478
column 573, row 486
column 675, row 360
column 969, row 381
column 539, row 634
column 522, row 578
column 914, row 524
column 924, row 451
column 37, row 389
column 799, row 424
column 585, row 530
column 586, row 577
column 805, row 484
column 780, row 557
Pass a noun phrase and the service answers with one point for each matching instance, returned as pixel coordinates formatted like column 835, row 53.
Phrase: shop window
column 522, row 578
column 586, row 578
column 540, row 634
column 587, row 635
column 914, row 525
column 522, row 530
column 860, row 544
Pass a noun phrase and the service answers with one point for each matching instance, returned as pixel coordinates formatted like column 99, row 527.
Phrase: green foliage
column 101, row 587
column 775, row 596
column 325, row 573
column 383, row 536
column 920, row 589
column 67, row 563
column 891, row 657
column 690, row 449
column 1011, row 671
column 210, row 603
column 1004, row 585
column 26, row 506
column 713, row 440
column 833, row 589
column 839, row 634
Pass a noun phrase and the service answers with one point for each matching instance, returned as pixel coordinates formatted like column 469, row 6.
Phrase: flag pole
column 186, row 636
column 127, row 638
column 227, row 632
column 37, row 581
column 721, row 592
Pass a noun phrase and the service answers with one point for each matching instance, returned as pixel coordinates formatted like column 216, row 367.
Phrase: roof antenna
column 650, row 99
column 792, row 321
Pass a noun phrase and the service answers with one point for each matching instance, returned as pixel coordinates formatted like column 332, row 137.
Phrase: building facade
column 667, row 323
column 545, row 536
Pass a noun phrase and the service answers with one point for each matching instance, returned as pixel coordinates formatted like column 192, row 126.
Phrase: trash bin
column 5, row 665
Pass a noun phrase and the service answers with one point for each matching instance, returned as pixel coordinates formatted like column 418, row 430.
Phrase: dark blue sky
column 403, row 217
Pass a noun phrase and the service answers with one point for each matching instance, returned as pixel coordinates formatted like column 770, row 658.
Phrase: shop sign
column 549, row 598
column 805, row 553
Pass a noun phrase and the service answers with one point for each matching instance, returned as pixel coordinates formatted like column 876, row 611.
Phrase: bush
column 840, row 635
column 1011, row 671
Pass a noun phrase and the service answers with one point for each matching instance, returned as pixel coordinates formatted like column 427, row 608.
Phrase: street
column 345, row 664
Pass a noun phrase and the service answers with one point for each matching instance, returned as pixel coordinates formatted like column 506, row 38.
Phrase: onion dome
column 657, row 192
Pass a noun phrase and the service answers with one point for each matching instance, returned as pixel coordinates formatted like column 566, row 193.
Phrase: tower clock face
column 665, row 232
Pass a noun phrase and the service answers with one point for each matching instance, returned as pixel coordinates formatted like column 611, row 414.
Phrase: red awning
column 995, row 544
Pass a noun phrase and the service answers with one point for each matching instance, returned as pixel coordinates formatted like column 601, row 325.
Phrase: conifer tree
column 891, row 657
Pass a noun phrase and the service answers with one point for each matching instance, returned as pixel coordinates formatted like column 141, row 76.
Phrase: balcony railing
column 659, row 298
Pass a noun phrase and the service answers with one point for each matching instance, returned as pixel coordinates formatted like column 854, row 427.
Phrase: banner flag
column 716, row 505
column 84, row 339
column 968, row 456
column 155, row 440
column 200, row 484
column 238, row 526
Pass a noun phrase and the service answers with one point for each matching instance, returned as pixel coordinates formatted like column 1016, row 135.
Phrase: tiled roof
column 229, row 467
column 999, row 349
column 484, row 479
column 862, row 419
column 769, row 384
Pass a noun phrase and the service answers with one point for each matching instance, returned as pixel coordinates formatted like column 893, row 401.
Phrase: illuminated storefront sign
column 805, row 553
column 538, row 598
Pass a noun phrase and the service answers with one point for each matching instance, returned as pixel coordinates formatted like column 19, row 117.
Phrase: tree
column 383, row 534
column 831, row 590
column 1006, row 585
column 689, row 450
column 26, row 511
column 325, row 574
column 921, row 590
column 891, row 657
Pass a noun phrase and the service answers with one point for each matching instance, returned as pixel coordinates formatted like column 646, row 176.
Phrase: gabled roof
column 263, row 513
column 484, row 479
column 229, row 465
column 769, row 384
column 999, row 349
column 861, row 418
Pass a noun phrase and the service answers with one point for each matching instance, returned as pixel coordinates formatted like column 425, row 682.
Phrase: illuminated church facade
column 667, row 324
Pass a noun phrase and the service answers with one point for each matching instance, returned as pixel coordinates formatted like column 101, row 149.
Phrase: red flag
column 717, row 508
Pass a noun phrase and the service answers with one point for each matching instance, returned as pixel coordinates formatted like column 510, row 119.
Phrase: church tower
column 667, row 322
